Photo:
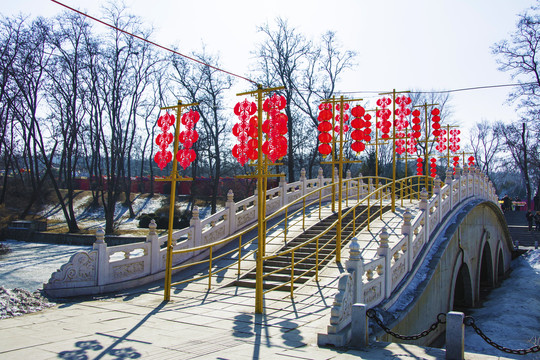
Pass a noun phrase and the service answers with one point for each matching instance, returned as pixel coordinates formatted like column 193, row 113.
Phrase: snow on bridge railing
column 373, row 281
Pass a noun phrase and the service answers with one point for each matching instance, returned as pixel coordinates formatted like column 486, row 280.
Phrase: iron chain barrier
column 441, row 319
column 469, row 321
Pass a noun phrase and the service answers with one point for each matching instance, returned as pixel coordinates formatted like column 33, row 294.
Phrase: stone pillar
column 448, row 182
column 384, row 251
column 355, row 266
column 195, row 224
column 153, row 239
column 406, row 231
column 458, row 178
column 455, row 336
column 283, row 190
column 103, row 258
column 359, row 326
column 231, row 206
column 303, row 182
column 423, row 205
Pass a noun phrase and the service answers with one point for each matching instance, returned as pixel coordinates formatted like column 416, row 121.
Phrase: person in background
column 537, row 220
column 530, row 217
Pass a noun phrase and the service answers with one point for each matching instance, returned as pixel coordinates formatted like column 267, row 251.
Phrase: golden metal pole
column 340, row 182
column 376, row 146
column 173, row 179
column 261, row 198
column 394, row 151
column 259, row 302
column 333, row 154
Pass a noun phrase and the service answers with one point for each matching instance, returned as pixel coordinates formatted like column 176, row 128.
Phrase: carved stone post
column 283, row 187
column 406, row 231
column 437, row 192
column 231, row 206
column 384, row 251
column 360, row 187
column 448, row 182
column 423, row 205
column 355, row 266
column 153, row 239
column 103, row 258
column 303, row 181
column 459, row 183
column 195, row 224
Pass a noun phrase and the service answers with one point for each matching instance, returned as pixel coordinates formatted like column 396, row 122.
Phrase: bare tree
column 485, row 146
column 325, row 64
column 206, row 86
column 281, row 58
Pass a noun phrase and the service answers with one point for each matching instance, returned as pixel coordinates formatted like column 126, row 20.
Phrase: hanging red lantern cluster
column 325, row 126
column 441, row 141
column 163, row 140
column 416, row 124
column 436, row 119
column 345, row 119
column 275, row 127
column 384, row 114
column 471, row 160
column 187, row 138
column 246, row 131
column 419, row 166
column 454, row 140
column 401, row 123
column 361, row 120
column 433, row 167
column 455, row 163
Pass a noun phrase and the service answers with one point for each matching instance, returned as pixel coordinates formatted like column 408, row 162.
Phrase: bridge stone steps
column 519, row 229
column 283, row 276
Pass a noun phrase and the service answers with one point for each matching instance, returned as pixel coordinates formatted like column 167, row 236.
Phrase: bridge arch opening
column 500, row 267
column 486, row 271
column 463, row 294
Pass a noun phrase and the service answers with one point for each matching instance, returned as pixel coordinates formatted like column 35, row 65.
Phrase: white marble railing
column 113, row 268
column 370, row 281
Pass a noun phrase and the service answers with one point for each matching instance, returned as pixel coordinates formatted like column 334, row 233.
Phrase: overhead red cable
column 153, row 43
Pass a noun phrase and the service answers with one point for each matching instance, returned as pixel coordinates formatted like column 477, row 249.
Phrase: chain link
column 441, row 319
column 469, row 321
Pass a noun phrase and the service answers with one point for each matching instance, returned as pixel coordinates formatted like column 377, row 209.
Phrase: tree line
column 76, row 101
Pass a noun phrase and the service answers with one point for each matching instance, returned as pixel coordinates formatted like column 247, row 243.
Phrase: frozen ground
column 511, row 314
column 92, row 219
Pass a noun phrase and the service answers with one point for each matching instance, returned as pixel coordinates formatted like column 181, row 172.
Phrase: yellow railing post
column 292, row 274
column 239, row 253
column 317, row 259
column 304, row 215
column 368, row 213
column 210, row 269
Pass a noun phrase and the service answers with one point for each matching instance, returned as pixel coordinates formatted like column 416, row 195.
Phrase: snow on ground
column 94, row 218
column 511, row 314
column 18, row 302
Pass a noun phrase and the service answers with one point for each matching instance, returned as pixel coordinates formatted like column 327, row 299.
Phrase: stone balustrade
column 373, row 280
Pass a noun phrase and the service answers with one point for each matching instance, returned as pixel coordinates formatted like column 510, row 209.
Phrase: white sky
column 415, row 44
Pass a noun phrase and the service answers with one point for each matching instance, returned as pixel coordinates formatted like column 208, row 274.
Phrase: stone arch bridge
column 437, row 252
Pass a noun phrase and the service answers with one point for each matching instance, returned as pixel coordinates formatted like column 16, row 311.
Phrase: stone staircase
column 519, row 229
column 307, row 266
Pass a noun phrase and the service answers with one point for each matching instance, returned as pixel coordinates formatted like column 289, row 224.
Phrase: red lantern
column 163, row 140
column 384, row 114
column 362, row 129
column 433, row 167
column 419, row 166
column 245, row 131
column 275, row 127
column 325, row 126
column 187, row 138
